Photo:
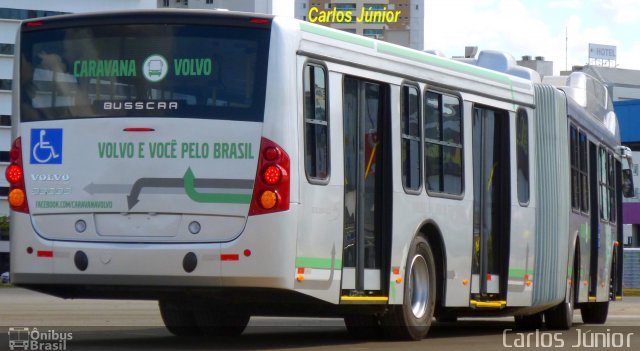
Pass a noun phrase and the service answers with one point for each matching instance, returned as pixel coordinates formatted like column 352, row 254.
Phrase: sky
column 536, row 28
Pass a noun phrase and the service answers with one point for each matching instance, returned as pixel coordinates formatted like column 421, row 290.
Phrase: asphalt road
column 136, row 325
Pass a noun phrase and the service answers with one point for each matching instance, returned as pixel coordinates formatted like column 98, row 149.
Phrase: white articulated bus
column 232, row 165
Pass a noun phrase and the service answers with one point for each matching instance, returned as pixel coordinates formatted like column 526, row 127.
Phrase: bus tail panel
column 125, row 185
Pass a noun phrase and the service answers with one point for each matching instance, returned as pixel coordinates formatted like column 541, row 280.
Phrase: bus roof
column 411, row 64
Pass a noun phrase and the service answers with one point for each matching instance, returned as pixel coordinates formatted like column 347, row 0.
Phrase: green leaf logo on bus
column 155, row 68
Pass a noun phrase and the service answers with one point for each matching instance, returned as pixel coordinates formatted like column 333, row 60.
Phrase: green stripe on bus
column 190, row 189
column 352, row 39
column 444, row 63
column 317, row 262
column 393, row 291
column 520, row 272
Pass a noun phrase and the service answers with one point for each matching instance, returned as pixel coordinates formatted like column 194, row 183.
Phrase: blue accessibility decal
column 46, row 146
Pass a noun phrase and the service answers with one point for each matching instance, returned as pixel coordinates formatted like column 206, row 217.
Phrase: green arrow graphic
column 190, row 189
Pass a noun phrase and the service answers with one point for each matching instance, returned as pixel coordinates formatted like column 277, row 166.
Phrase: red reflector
column 34, row 24
column 247, row 253
column 47, row 253
column 259, row 21
column 229, row 257
column 300, row 270
column 489, row 277
column 396, row 270
column 14, row 153
column 138, row 130
column 271, row 154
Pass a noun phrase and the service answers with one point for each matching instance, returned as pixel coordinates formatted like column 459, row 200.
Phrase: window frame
column 420, row 139
column 4, row 82
column 315, row 180
column 458, row 96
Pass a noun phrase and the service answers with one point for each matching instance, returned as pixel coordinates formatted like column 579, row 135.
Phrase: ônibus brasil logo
column 155, row 68
column 33, row 339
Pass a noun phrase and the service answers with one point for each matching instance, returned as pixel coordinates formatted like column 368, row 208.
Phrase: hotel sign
column 602, row 52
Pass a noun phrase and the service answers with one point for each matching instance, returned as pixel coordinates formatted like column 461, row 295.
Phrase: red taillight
column 15, row 176
column 271, row 190
column 272, row 175
column 259, row 21
column 139, row 130
column 35, row 24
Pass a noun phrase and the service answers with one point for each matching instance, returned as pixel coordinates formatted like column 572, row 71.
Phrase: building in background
column 406, row 28
column 538, row 64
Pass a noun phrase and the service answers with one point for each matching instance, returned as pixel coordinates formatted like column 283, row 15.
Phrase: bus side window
column 522, row 156
column 410, row 138
column 575, row 168
column 316, row 123
column 606, row 192
column 611, row 184
column 443, row 143
column 584, row 183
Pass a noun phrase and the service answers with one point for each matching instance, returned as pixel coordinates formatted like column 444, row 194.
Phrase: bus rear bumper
column 258, row 258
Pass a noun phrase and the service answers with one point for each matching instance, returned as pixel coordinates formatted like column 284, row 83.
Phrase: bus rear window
column 144, row 71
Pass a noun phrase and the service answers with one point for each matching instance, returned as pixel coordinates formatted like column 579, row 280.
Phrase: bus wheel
column 178, row 318
column 364, row 327
column 561, row 316
column 595, row 312
column 412, row 319
column 217, row 320
column 530, row 322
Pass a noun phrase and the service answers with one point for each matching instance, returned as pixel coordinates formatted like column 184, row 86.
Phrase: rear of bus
column 139, row 158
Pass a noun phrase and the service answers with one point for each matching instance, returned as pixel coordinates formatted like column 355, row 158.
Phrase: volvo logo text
column 50, row 177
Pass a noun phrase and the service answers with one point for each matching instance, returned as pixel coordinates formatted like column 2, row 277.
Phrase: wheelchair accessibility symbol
column 46, row 146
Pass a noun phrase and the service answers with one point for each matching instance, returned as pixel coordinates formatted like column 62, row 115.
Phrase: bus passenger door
column 491, row 204
column 367, row 187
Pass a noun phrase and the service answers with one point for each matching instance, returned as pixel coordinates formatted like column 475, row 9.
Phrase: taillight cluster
column 15, row 176
column 271, row 189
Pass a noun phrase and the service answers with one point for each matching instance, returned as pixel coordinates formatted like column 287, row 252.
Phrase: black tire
column 529, row 322
column 365, row 327
column 412, row 319
column 595, row 312
column 178, row 318
column 220, row 321
column 561, row 316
